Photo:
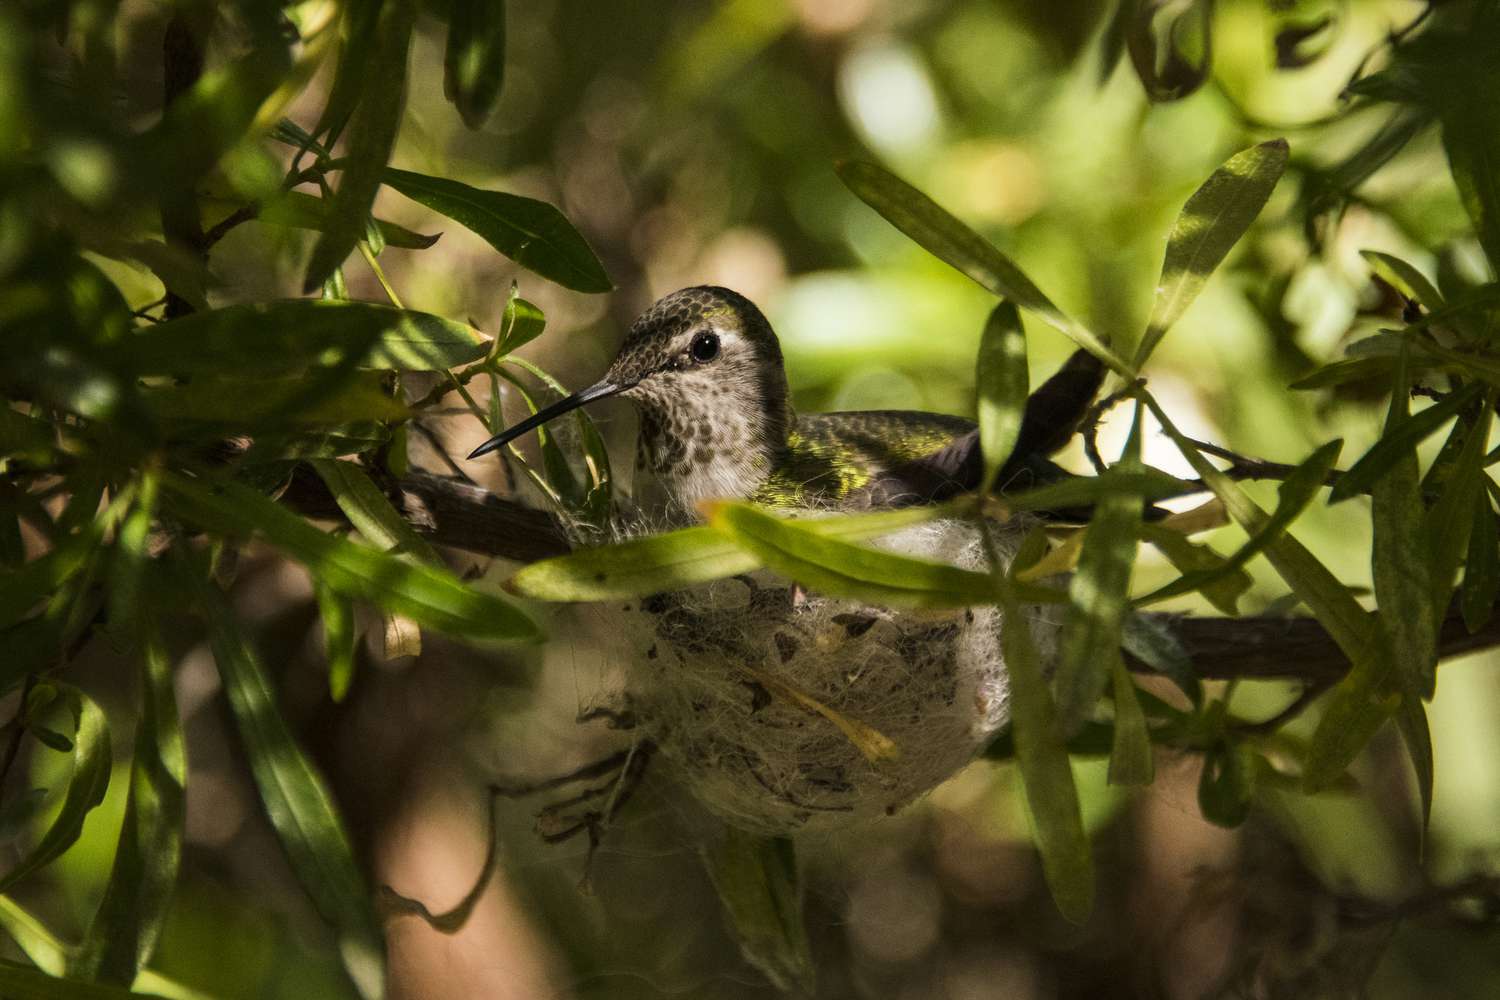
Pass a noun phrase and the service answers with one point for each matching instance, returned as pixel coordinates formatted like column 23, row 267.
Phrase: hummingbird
column 705, row 370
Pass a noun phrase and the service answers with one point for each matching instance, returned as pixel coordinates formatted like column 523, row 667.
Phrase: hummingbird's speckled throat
column 705, row 370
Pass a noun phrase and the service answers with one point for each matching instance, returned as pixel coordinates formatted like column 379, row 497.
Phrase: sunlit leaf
column 1098, row 595
column 757, row 881
column 1081, row 491
column 1405, row 277
column 948, row 239
column 337, row 614
column 125, row 928
column 280, row 337
column 430, row 595
column 20, row 982
column 520, row 325
column 295, row 796
column 1051, row 795
column 372, row 135
column 532, row 233
column 840, row 568
column 1223, row 589
column 1001, row 382
column 1293, row 495
column 653, row 564
column 1211, row 223
column 210, row 404
column 1398, row 441
column 371, row 512
column 474, row 62
column 86, row 785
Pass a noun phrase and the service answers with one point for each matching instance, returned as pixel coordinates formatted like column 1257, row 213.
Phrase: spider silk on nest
column 727, row 680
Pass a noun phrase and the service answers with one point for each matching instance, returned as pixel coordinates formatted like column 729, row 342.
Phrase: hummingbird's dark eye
column 705, row 347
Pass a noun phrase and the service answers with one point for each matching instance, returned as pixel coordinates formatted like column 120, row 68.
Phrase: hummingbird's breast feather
column 872, row 458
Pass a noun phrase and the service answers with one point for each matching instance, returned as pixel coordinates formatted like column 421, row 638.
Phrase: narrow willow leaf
column 560, row 481
column 1330, row 601
column 1211, row 223
column 300, row 210
column 592, row 499
column 371, row 513
column 1158, row 25
column 954, row 243
column 357, row 23
column 1130, row 761
column 209, row 404
column 282, row 337
column 1411, row 716
column 1226, row 784
column 1481, row 584
column 130, row 916
column 127, row 579
column 520, row 325
column 842, row 569
column 1363, row 369
column 21, row 589
column 432, row 596
column 1405, row 278
column 1221, row 585
column 1080, row 491
column 1472, row 143
column 1450, row 518
column 372, row 136
column 1398, row 441
column 1399, row 557
column 1098, row 595
column 474, row 62
column 86, row 785
column 339, row 637
column 1002, row 381
column 757, row 881
column 20, row 982
column 296, row 798
column 1292, row 497
column 531, row 233
column 1041, row 753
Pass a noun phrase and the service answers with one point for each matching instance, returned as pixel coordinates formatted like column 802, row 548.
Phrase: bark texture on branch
column 457, row 514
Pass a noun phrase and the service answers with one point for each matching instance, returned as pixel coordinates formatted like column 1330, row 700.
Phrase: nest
column 757, row 693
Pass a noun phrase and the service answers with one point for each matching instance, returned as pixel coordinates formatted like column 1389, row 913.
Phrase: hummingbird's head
column 705, row 369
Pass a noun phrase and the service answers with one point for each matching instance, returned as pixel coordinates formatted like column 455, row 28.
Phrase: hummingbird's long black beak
column 598, row 390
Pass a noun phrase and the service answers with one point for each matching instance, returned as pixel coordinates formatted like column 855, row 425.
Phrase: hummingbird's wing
column 894, row 458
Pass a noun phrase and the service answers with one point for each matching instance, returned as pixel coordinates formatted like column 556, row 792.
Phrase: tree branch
column 463, row 516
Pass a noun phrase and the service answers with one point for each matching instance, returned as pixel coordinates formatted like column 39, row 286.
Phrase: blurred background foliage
column 690, row 143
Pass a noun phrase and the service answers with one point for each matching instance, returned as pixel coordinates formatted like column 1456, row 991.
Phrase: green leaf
column 1399, row 559
column 1358, row 707
column 1080, row 491
column 1411, row 716
column 357, row 24
column 86, row 786
column 531, row 233
column 372, row 135
column 1051, row 795
column 1293, row 495
column 1449, row 520
column 1152, row 641
column 339, row 637
column 431, row 596
column 1398, row 441
column 129, row 920
column 21, row 589
column 521, row 324
column 474, row 63
column 210, row 403
column 674, row 560
column 1481, row 584
column 1211, row 223
column 281, row 337
column 1227, row 784
column 948, row 239
column 1221, row 584
column 1172, row 75
column 757, row 881
column 1002, row 381
column 300, row 210
column 839, row 568
column 370, row 511
column 296, row 798
column 1098, row 596
column 20, row 982
column 1405, row 278
column 127, row 578
column 1130, row 761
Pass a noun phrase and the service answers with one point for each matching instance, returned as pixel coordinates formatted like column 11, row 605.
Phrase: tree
column 147, row 442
